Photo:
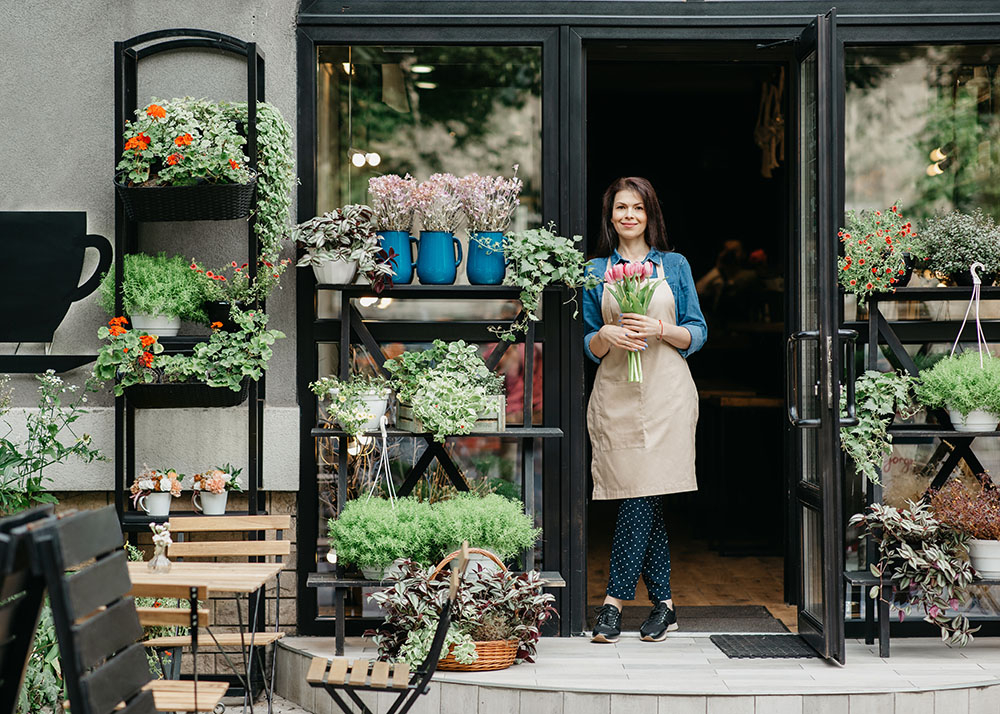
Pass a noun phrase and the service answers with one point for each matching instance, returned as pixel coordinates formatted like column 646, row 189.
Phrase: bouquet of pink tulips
column 633, row 287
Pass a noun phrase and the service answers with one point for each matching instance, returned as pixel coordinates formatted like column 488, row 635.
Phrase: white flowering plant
column 391, row 200
column 345, row 400
column 489, row 202
column 438, row 203
column 156, row 481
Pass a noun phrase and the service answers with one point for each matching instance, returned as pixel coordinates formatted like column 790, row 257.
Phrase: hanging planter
column 203, row 202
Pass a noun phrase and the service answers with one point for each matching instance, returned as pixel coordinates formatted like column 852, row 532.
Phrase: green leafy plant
column 348, row 234
column 492, row 522
column 539, row 258
column 24, row 462
column 879, row 396
column 492, row 605
column 373, row 532
column 347, row 406
column 233, row 283
column 155, row 285
column 951, row 243
column 975, row 513
column 128, row 355
column 961, row 383
column 43, row 687
column 874, row 244
column 927, row 562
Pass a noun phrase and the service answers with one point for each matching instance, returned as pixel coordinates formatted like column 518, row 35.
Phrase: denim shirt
column 677, row 272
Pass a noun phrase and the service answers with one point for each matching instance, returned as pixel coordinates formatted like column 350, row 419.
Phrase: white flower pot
column 211, row 504
column 376, row 405
column 156, row 504
column 977, row 420
column 985, row 557
column 372, row 573
column 336, row 272
column 159, row 325
column 389, row 572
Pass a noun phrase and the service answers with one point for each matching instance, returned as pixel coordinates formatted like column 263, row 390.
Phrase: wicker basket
column 495, row 654
column 206, row 202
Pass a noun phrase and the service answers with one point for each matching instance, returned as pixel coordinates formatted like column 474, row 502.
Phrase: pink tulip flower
column 647, row 270
column 629, row 270
column 619, row 272
column 609, row 275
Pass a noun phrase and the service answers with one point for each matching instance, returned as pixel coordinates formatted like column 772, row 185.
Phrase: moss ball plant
column 373, row 532
column 156, row 285
column 492, row 522
column 961, row 383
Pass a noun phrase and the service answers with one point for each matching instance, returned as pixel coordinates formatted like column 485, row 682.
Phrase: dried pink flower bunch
column 489, row 201
column 391, row 200
column 437, row 202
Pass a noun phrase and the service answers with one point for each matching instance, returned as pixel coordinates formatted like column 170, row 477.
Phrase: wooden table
column 219, row 578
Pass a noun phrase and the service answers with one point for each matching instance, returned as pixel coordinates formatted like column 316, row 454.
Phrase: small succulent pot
column 159, row 325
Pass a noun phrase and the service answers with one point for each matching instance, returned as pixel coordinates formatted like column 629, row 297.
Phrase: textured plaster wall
column 57, row 153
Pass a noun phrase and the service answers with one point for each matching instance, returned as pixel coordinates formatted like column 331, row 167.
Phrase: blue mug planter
column 436, row 261
column 403, row 263
column 486, row 265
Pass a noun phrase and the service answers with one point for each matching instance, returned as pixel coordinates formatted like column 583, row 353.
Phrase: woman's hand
column 617, row 336
column 640, row 325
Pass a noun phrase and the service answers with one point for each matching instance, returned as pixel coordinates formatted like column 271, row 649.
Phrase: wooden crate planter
column 494, row 419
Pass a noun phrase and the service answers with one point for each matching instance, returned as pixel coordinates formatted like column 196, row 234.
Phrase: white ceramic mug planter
column 976, row 420
column 211, row 504
column 985, row 557
column 156, row 504
column 336, row 272
column 376, row 404
column 159, row 325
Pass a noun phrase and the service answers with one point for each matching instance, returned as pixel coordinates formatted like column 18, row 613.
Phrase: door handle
column 849, row 338
column 792, row 378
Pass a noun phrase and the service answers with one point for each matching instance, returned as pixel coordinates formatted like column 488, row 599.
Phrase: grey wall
column 57, row 153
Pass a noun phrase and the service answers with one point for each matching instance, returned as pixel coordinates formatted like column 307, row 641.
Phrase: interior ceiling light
column 373, row 158
column 425, row 85
column 421, row 69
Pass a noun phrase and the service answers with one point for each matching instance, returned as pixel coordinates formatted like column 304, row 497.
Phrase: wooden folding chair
column 97, row 625
column 22, row 591
column 353, row 676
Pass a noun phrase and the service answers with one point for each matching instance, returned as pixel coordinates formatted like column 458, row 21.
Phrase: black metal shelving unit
column 127, row 57
column 352, row 328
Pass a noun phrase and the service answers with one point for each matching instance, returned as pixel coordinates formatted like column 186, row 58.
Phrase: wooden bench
column 349, row 677
column 103, row 663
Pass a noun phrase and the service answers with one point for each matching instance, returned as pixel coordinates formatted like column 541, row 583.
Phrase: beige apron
column 642, row 433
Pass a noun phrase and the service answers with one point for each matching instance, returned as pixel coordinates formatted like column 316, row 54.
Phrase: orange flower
column 233, row 164
column 174, row 158
column 215, row 325
column 117, row 321
column 209, row 273
column 183, row 140
column 147, row 340
column 116, row 330
column 147, row 359
column 156, row 111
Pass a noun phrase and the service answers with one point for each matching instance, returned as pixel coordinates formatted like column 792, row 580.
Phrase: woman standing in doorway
column 642, row 433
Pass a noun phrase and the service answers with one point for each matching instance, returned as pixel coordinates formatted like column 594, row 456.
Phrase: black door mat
column 763, row 646
column 706, row 618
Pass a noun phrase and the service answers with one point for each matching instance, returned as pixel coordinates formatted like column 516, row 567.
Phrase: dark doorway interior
column 689, row 127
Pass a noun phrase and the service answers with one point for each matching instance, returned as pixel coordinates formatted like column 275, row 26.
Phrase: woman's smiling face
column 628, row 215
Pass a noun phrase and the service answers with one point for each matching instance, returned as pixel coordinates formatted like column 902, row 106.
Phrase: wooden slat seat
column 360, row 673
column 224, row 639
column 178, row 695
column 169, row 616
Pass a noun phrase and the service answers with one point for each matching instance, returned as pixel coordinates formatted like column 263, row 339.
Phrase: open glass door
column 814, row 343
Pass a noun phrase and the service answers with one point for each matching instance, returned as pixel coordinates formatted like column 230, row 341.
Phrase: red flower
column 233, row 165
column 853, row 282
column 116, row 330
column 874, row 271
column 209, row 274
column 174, row 158
column 901, row 271
column 147, row 359
column 147, row 340
column 869, row 286
column 233, row 263
column 861, row 261
column 156, row 111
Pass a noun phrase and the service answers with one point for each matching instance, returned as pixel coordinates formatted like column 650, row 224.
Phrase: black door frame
column 562, row 28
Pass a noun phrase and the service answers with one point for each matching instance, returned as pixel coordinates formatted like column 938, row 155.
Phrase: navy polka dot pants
column 640, row 547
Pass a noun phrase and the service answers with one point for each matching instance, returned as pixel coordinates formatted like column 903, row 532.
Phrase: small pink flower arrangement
column 438, row 204
column 391, row 201
column 152, row 481
column 633, row 285
column 218, row 480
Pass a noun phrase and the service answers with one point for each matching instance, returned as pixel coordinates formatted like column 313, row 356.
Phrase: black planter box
column 185, row 395
column 207, row 202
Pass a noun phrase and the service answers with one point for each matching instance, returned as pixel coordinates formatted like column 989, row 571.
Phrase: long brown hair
column 656, row 231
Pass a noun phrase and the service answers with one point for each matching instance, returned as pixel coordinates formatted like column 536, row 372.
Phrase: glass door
column 814, row 343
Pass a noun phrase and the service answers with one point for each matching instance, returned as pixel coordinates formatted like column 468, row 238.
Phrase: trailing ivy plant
column 879, row 396
column 539, row 258
column 927, row 563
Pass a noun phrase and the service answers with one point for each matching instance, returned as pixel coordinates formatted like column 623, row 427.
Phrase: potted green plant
column 340, row 243
column 877, row 245
column 977, row 514
column 157, row 293
column 538, row 258
column 496, row 620
column 490, row 522
column 967, row 386
column 949, row 244
column 232, row 286
column 879, row 397
column 925, row 560
column 357, row 405
column 372, row 533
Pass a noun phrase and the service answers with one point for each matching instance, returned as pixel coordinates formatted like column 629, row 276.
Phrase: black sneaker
column 660, row 621
column 609, row 624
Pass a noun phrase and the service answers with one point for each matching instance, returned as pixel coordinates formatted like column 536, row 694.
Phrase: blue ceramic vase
column 486, row 264
column 404, row 262
column 437, row 263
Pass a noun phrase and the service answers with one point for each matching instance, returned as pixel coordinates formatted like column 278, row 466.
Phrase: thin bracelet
column 660, row 336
